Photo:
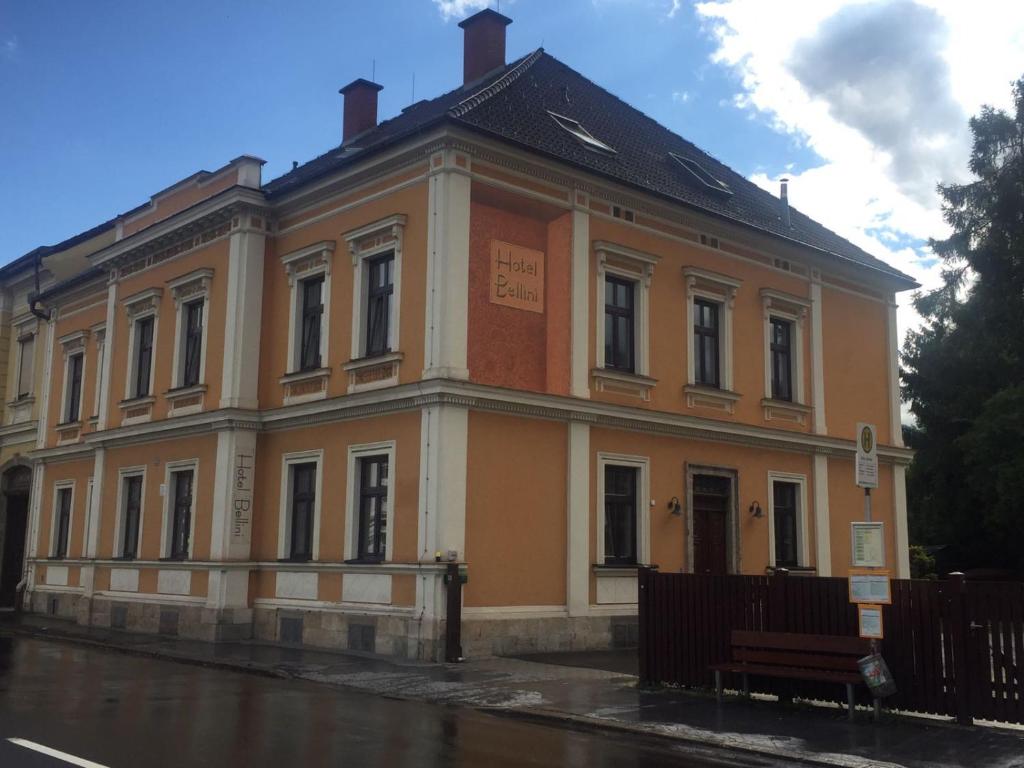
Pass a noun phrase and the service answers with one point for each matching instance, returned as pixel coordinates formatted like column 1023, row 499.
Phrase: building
column 520, row 326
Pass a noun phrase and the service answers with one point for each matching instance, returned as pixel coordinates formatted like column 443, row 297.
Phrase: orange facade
column 480, row 428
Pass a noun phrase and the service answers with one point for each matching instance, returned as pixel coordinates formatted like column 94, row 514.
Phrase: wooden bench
column 826, row 658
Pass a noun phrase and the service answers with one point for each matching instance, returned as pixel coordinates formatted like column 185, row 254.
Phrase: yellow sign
column 517, row 276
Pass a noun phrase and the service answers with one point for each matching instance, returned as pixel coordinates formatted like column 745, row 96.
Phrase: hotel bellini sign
column 517, row 276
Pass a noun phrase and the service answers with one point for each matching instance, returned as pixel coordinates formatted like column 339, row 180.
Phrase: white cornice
column 476, row 397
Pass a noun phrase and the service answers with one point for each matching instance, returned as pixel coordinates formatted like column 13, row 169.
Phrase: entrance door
column 13, row 563
column 711, row 505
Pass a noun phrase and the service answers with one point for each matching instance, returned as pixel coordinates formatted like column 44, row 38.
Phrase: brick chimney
column 360, row 111
column 483, row 44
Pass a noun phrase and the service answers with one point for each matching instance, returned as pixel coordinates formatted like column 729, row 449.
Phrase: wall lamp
column 755, row 510
column 674, row 506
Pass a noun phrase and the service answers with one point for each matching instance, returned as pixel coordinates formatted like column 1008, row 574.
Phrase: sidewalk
column 589, row 698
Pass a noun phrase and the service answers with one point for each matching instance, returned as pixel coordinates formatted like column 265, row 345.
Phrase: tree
column 964, row 370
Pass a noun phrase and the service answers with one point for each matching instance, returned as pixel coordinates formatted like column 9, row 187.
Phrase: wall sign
column 517, row 276
column 869, row 620
column 241, row 497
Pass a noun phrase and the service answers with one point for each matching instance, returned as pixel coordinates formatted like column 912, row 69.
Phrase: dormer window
column 581, row 134
column 697, row 172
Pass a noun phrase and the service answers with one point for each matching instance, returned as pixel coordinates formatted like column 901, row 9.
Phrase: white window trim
column 803, row 540
column 284, row 532
column 311, row 261
column 355, row 453
column 166, row 529
column 71, row 345
column 364, row 244
column 122, row 474
column 721, row 289
column 57, row 487
column 140, row 306
column 643, row 501
column 639, row 268
column 792, row 309
column 195, row 286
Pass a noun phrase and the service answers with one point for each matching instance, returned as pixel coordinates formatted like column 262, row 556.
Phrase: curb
column 541, row 716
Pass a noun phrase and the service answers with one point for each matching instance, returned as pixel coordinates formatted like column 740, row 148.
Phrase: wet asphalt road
column 118, row 710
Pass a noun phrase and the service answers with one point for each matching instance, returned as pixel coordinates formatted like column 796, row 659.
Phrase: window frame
column 376, row 293
column 139, row 307
column 25, row 337
column 288, row 461
column 120, row 529
column 783, row 352
column 71, row 402
column 702, row 335
column 170, row 508
column 301, row 265
column 59, row 488
column 638, row 267
column 703, row 284
column 803, row 539
column 356, row 453
column 792, row 309
column 617, row 313
column 189, row 290
column 366, row 245
column 642, row 466
column 306, row 314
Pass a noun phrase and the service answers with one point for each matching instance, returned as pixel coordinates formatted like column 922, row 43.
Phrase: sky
column 863, row 104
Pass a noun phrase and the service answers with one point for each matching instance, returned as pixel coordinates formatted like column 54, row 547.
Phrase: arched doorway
column 15, row 485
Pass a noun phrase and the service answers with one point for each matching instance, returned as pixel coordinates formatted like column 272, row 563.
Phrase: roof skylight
column 581, row 134
column 700, row 174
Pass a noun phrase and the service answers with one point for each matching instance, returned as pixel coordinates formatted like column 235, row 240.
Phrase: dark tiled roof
column 513, row 105
column 42, row 251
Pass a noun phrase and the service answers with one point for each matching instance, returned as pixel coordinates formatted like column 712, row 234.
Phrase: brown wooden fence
column 954, row 648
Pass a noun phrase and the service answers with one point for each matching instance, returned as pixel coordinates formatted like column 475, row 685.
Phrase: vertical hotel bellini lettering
column 258, row 409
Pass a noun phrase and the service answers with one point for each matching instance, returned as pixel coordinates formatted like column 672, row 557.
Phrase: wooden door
column 711, row 504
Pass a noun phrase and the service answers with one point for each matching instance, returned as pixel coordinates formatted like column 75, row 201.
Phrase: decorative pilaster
column 817, row 357
column 579, row 385
column 822, row 522
column 447, row 304
column 246, row 250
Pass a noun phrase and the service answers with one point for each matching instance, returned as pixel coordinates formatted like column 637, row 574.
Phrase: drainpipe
column 33, row 304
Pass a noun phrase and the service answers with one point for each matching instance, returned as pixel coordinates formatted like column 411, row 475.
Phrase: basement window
column 581, row 134
column 698, row 172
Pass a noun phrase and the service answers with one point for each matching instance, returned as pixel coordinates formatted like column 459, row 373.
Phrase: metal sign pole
column 867, row 505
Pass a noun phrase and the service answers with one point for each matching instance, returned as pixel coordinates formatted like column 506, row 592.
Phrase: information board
column 868, row 545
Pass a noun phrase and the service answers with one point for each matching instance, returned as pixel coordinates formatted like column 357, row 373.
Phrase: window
column 706, row 343
column 373, row 508
column 581, row 134
column 312, row 314
column 618, row 324
column 699, row 174
column 192, row 318
column 379, row 290
column 376, row 303
column 62, row 523
column 781, row 349
column 622, row 301
column 784, row 498
column 73, row 388
column 303, row 483
column 26, row 347
column 710, row 298
column 132, row 516
column 181, row 513
column 143, row 356
column 620, row 508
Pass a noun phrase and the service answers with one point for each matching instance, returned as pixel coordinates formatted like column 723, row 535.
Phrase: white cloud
column 667, row 7
column 681, row 97
column 881, row 91
column 459, row 9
